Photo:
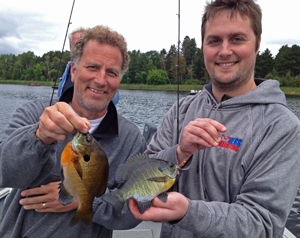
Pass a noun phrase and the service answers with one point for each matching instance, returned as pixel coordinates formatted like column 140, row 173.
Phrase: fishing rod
column 62, row 50
column 178, row 72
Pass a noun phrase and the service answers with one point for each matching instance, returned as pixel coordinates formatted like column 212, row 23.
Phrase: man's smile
column 227, row 64
column 96, row 91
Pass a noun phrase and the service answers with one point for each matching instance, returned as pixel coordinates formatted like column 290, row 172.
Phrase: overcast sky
column 40, row 26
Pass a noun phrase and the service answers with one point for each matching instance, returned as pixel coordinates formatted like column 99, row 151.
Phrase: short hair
column 70, row 36
column 104, row 35
column 246, row 8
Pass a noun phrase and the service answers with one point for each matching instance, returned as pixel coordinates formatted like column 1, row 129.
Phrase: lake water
column 139, row 106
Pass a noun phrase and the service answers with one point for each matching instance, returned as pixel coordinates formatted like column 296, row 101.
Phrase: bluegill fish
column 145, row 178
column 85, row 174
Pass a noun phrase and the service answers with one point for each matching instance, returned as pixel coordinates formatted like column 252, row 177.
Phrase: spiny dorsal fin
column 122, row 171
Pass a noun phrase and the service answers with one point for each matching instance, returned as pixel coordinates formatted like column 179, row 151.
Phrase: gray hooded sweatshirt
column 246, row 186
column 26, row 163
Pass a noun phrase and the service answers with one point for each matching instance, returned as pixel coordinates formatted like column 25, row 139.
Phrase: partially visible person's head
column 103, row 35
column 245, row 8
column 74, row 36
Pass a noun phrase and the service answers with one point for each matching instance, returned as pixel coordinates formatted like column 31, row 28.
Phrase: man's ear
column 73, row 69
column 258, row 45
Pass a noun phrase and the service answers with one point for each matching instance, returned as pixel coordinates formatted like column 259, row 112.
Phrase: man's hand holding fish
column 49, row 196
column 173, row 209
column 59, row 120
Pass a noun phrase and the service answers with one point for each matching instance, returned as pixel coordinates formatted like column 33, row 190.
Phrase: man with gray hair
column 32, row 143
column 65, row 80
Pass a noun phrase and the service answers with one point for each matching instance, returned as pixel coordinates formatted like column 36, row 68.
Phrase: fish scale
column 145, row 178
column 85, row 174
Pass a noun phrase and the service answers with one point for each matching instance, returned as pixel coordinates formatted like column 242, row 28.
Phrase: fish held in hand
column 144, row 178
column 85, row 173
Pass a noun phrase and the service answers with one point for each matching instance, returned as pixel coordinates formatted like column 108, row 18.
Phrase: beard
column 89, row 106
column 236, row 81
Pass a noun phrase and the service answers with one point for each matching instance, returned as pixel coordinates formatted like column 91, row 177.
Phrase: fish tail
column 115, row 199
column 82, row 215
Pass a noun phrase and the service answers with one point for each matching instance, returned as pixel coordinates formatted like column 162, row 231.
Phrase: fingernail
column 85, row 130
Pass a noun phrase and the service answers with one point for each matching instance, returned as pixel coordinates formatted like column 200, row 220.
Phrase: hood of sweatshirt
column 266, row 92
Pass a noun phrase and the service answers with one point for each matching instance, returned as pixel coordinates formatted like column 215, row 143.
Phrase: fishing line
column 62, row 50
column 178, row 72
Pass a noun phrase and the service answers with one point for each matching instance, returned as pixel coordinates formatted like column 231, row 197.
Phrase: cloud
column 24, row 31
column 290, row 41
column 8, row 26
column 7, row 47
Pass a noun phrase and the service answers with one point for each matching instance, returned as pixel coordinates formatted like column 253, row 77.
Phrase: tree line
column 156, row 67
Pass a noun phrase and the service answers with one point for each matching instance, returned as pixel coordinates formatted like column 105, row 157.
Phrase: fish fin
column 163, row 196
column 158, row 179
column 114, row 199
column 62, row 176
column 84, row 216
column 78, row 168
column 64, row 197
column 123, row 170
column 143, row 206
column 136, row 158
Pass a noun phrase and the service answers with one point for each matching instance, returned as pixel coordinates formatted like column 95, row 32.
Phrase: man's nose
column 226, row 49
column 100, row 78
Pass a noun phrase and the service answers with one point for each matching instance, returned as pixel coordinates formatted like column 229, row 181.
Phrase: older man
column 31, row 145
column 238, row 136
column 65, row 80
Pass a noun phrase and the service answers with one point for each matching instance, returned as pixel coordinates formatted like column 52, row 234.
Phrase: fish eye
column 88, row 139
column 171, row 165
column 86, row 158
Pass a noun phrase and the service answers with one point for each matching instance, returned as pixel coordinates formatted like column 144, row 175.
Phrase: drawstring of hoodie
column 216, row 107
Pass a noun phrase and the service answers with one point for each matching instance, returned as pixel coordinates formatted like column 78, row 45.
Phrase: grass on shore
column 289, row 91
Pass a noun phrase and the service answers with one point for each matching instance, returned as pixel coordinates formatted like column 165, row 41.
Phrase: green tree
column 264, row 64
column 52, row 74
column 182, row 66
column 288, row 60
column 156, row 77
column 168, row 62
column 133, row 66
column 295, row 60
column 27, row 59
column 199, row 66
column 28, row 74
column 38, row 73
column 150, row 65
column 17, row 71
column 186, row 51
column 155, row 57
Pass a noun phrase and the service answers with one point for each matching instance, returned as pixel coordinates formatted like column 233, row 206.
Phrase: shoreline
column 288, row 91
